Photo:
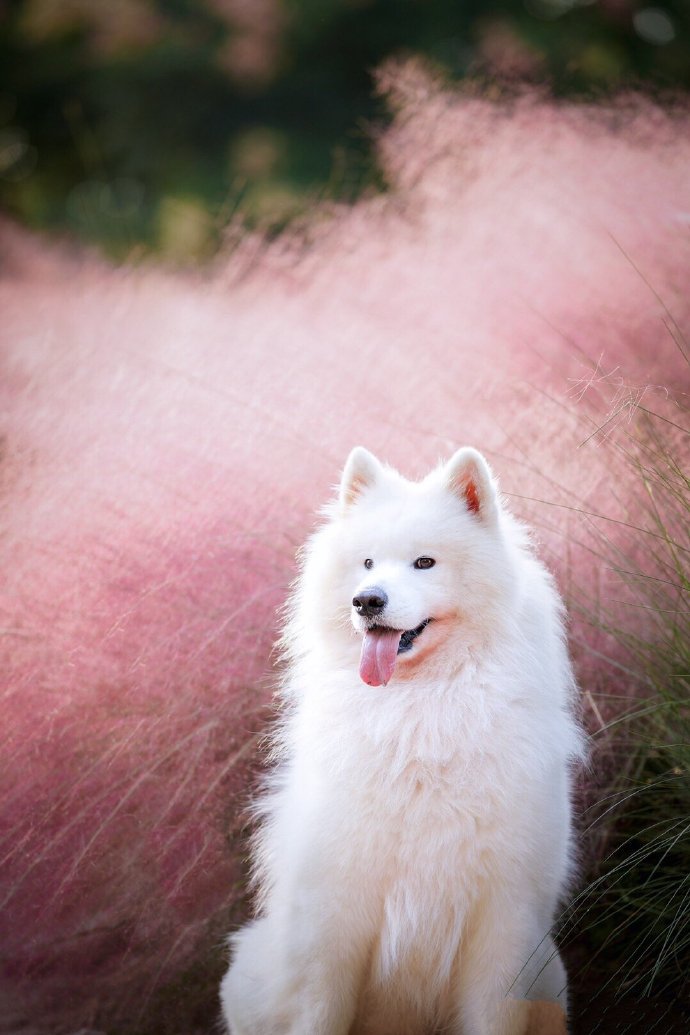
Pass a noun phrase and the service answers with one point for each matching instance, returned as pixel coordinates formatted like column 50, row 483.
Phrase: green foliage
column 635, row 912
column 130, row 123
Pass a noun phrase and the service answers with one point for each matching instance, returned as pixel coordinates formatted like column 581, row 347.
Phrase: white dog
column 415, row 840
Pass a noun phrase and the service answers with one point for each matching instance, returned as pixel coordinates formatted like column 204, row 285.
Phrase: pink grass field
column 167, row 437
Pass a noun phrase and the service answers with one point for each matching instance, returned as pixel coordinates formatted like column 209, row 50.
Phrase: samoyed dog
column 415, row 836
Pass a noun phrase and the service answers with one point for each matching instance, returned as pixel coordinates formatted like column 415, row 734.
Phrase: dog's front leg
column 300, row 977
column 506, row 960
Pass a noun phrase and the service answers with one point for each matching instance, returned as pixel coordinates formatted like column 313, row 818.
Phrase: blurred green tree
column 149, row 123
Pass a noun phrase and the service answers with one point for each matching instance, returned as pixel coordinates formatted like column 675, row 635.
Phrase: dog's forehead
column 406, row 519
column 426, row 497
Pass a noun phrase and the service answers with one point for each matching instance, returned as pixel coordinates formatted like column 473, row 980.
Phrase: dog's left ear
column 361, row 470
column 469, row 477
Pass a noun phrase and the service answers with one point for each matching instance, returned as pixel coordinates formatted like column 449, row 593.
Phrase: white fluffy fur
column 415, row 839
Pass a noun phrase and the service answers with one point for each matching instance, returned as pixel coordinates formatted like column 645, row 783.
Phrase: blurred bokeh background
column 150, row 126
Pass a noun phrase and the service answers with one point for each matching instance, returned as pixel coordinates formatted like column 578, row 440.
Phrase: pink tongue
column 379, row 652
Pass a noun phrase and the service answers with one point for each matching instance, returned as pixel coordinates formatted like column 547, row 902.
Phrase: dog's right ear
column 361, row 470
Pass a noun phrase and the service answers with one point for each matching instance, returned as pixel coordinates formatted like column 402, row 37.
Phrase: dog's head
column 420, row 571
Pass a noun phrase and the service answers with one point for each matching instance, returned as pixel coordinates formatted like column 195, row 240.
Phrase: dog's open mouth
column 380, row 648
column 408, row 637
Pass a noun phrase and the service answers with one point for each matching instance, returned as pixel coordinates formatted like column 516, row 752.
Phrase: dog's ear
column 469, row 477
column 360, row 472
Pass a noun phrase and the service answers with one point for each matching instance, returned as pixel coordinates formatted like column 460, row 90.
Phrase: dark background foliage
column 150, row 124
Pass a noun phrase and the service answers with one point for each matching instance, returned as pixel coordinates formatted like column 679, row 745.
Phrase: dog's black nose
column 371, row 602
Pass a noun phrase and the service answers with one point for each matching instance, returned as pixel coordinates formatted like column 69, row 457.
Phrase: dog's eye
column 368, row 563
column 424, row 562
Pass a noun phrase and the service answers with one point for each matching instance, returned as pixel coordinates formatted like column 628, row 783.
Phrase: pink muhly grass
column 167, row 438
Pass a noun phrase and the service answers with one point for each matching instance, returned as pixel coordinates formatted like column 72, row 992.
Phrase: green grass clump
column 634, row 914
